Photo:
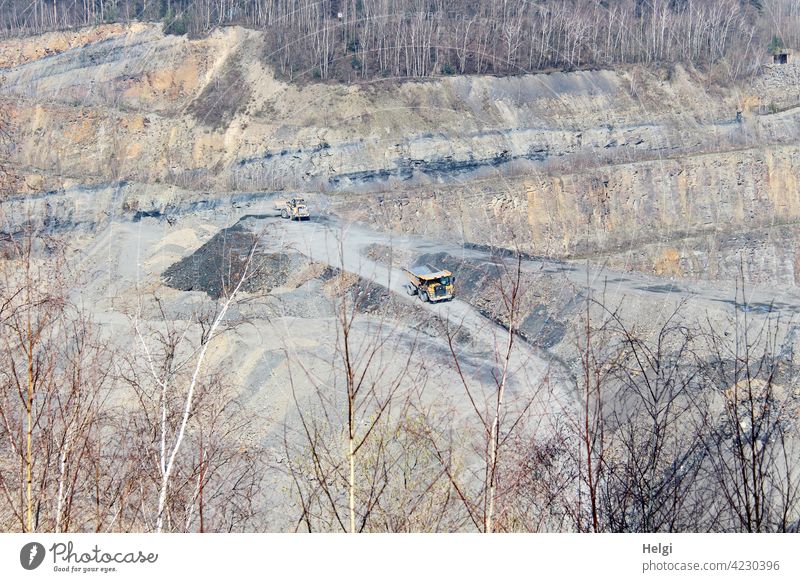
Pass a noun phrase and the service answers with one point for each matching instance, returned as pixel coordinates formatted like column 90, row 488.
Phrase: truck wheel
column 284, row 214
column 423, row 295
column 411, row 290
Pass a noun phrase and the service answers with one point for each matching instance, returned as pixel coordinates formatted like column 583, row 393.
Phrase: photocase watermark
column 31, row 555
column 66, row 558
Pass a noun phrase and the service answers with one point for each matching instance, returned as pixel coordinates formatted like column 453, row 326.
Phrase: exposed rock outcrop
column 653, row 170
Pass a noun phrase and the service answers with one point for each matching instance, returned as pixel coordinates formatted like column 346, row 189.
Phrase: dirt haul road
column 342, row 245
column 635, row 288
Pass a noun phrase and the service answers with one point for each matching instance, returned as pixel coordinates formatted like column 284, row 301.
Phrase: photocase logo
column 31, row 555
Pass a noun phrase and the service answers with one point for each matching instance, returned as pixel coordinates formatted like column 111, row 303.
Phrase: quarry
column 623, row 319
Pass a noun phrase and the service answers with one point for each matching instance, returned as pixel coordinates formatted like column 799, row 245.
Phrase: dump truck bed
column 427, row 272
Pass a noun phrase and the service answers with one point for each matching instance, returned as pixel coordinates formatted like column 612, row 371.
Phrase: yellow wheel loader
column 294, row 208
column 429, row 283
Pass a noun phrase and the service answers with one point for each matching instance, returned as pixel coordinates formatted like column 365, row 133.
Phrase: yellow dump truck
column 429, row 283
column 294, row 208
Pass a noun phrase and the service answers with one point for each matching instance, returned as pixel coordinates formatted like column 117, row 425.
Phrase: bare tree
column 499, row 422
column 179, row 399
column 53, row 386
column 655, row 460
column 748, row 425
column 342, row 455
column 348, row 40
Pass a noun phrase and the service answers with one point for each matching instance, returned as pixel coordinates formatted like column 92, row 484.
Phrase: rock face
column 677, row 216
column 652, row 170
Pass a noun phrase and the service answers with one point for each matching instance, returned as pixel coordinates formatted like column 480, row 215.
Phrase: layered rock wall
column 655, row 170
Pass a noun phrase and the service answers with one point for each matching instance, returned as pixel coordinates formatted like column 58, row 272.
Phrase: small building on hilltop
column 781, row 57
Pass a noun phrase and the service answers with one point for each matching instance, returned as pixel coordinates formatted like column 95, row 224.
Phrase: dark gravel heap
column 215, row 266
column 218, row 265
